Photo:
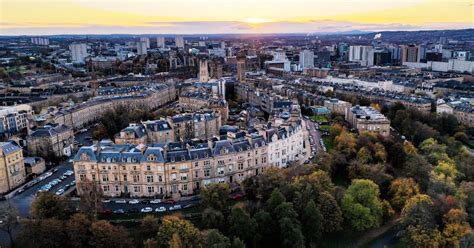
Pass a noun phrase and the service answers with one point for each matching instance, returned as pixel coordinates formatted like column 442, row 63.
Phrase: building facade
column 12, row 168
column 368, row 119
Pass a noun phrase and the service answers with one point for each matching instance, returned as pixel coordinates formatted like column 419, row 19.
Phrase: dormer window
column 151, row 157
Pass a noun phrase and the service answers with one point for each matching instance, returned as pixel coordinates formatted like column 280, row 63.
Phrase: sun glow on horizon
column 256, row 20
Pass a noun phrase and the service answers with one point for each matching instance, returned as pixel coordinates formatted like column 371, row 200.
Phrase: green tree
column 331, row 213
column 212, row 218
column 276, row 198
column 311, row 222
column 267, row 228
column 242, row 226
column 48, row 205
column 215, row 196
column 361, row 204
column 290, row 233
column 215, row 239
column 44, row 233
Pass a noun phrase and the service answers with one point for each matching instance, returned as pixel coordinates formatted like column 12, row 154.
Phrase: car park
column 133, row 210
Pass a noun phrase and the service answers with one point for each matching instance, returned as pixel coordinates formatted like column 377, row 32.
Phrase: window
column 264, row 159
column 136, row 189
column 184, row 176
column 151, row 189
column 196, row 174
column 160, row 178
column 173, row 176
column 220, row 170
column 105, row 188
column 117, row 188
column 230, row 167
column 149, row 178
column 124, row 178
column 93, row 177
column 105, row 178
column 134, row 167
column 196, row 164
column 207, row 173
column 207, row 162
column 240, row 166
column 136, row 178
column 148, row 167
column 116, row 177
column 82, row 177
column 220, row 162
column 184, row 187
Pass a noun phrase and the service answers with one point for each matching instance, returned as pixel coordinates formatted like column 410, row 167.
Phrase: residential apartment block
column 12, row 168
column 368, row 119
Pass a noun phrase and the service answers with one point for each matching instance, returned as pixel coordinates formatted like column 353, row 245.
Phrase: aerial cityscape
column 230, row 124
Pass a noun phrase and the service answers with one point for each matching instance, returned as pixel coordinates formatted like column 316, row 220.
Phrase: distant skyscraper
column 141, row 48
column 241, row 70
column 203, row 71
column 146, row 40
column 179, row 41
column 410, row 54
column 160, row 42
column 362, row 54
column 78, row 52
column 306, row 59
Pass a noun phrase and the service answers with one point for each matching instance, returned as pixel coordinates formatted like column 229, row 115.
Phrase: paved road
column 315, row 134
column 112, row 205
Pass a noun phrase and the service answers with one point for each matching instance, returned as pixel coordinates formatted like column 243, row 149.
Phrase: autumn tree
column 105, row 235
column 455, row 227
column 402, row 189
column 189, row 235
column 48, row 205
column 212, row 218
column 78, row 230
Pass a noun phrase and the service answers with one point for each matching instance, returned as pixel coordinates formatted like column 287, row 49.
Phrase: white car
column 147, row 210
column 175, row 207
column 160, row 209
column 60, row 192
column 155, row 201
column 105, row 200
column 134, row 201
column 121, row 201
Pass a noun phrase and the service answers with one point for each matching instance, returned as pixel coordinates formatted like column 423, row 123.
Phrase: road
column 127, row 207
column 315, row 135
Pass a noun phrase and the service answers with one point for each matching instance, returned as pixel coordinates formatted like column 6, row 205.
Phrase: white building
column 203, row 71
column 146, row 40
column 142, row 48
column 40, row 41
column 179, row 41
column 306, row 59
column 160, row 42
column 14, row 119
column 362, row 54
column 78, row 52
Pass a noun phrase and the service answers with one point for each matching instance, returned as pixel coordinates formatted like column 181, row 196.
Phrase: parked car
column 106, row 211
column 169, row 201
column 155, row 201
column 119, row 211
column 105, row 200
column 147, row 210
column 60, row 191
column 237, row 196
column 160, row 209
column 120, row 201
column 135, row 201
column 133, row 210
column 175, row 207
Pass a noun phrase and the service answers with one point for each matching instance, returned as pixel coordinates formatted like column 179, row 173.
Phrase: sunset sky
column 37, row 17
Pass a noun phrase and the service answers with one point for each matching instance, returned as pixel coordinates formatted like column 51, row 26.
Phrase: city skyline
column 51, row 17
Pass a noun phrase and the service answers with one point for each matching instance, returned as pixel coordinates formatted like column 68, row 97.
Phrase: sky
column 47, row 17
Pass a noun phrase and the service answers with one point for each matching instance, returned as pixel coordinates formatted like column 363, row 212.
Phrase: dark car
column 169, row 201
column 119, row 211
column 144, row 201
column 133, row 210
column 237, row 196
column 106, row 211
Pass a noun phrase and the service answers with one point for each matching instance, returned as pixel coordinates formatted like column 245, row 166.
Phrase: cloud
column 216, row 27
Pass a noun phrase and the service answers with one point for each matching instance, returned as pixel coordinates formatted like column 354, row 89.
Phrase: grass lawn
column 319, row 118
column 328, row 142
column 325, row 128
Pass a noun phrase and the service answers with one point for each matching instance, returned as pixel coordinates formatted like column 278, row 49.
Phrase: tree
column 455, row 227
column 364, row 156
column 266, row 228
column 78, row 231
column 91, row 198
column 149, row 227
column 242, row 226
column 361, row 204
column 187, row 232
column 215, row 196
column 9, row 221
column 311, row 222
column 237, row 243
column 290, row 233
column 346, row 143
column 308, row 187
column 276, row 198
column 212, row 218
column 45, row 233
column 464, row 164
column 261, row 186
column 417, row 168
column 105, row 235
column 466, row 193
column 402, row 189
column 424, row 238
column 215, row 239
column 175, row 241
column 331, row 213
column 48, row 205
